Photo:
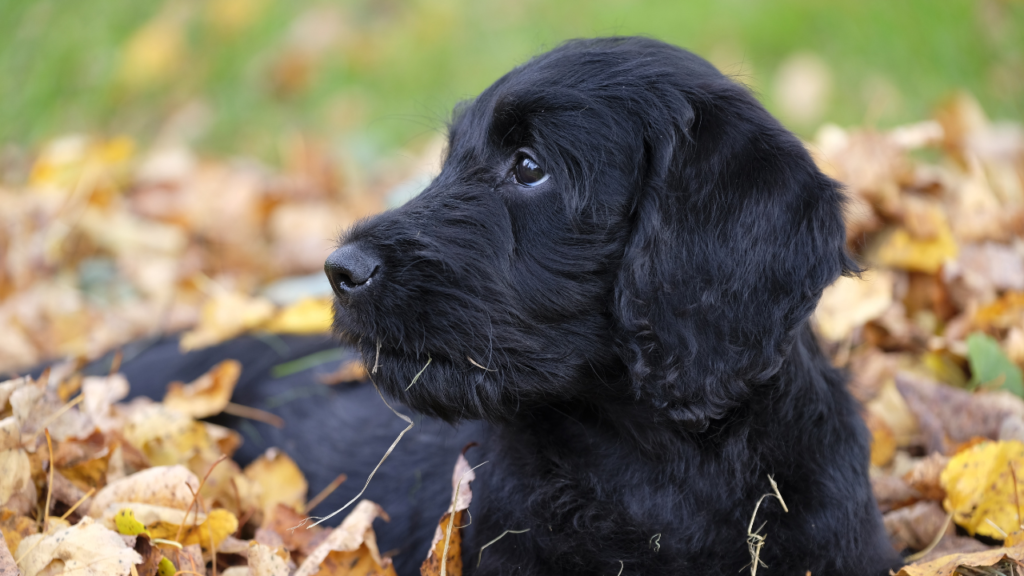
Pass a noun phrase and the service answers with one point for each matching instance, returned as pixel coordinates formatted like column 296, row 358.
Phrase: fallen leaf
column 161, row 486
column 17, row 490
column 280, row 479
column 225, row 316
column 351, row 548
column 266, row 561
column 902, row 250
column 282, row 519
column 916, row 526
column 883, row 442
column 852, row 302
column 209, row 532
column 980, row 488
column 947, row 565
column 307, row 316
column 85, row 549
column 926, row 474
column 206, row 395
column 16, row 527
column 445, row 555
column 990, row 367
column 7, row 565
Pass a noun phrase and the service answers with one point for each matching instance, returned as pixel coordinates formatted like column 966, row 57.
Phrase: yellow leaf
column 218, row 525
column 225, row 316
column 126, row 523
column 901, row 250
column 307, row 316
column 206, row 395
column 280, row 479
column 852, row 302
column 980, row 490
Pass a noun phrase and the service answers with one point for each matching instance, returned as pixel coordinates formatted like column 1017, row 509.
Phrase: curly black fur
column 634, row 329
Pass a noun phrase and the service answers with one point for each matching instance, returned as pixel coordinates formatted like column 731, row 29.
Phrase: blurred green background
column 373, row 76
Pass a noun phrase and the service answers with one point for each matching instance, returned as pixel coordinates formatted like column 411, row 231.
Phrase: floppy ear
column 735, row 234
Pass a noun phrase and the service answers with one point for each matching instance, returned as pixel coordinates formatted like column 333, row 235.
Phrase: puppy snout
column 350, row 269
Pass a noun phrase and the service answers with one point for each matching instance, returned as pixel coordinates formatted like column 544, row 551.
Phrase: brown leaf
column 916, row 526
column 947, row 565
column 883, row 442
column 949, row 415
column 351, row 549
column 445, row 556
column 892, row 493
column 7, row 565
column 924, row 476
column 206, row 395
column 282, row 519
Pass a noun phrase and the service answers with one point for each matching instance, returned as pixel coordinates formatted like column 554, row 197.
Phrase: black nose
column 349, row 269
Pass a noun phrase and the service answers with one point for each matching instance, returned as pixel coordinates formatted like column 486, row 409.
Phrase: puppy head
column 615, row 221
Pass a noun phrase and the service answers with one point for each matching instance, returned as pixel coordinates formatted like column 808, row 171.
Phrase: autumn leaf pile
column 933, row 332
column 103, row 243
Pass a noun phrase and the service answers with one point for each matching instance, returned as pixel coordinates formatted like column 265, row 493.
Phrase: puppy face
column 615, row 221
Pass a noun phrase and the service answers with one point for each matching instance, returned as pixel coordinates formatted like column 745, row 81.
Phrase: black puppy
column 614, row 271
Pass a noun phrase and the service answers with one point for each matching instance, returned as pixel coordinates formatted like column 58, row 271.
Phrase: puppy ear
column 735, row 234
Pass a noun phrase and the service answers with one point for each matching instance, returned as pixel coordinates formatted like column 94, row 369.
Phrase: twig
column 254, row 414
column 195, row 496
column 326, row 492
column 49, row 485
column 79, row 503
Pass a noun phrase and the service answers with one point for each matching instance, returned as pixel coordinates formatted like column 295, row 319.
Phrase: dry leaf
column 883, row 442
column 280, row 479
column 7, row 565
column 161, row 486
column 85, row 549
column 209, row 532
column 980, row 488
column 265, row 561
column 902, row 250
column 352, row 544
column 947, row 565
column 206, row 395
column 307, row 316
column 852, row 302
column 447, row 543
column 916, row 526
column 99, row 394
column 282, row 519
column 17, row 490
column 925, row 476
column 225, row 316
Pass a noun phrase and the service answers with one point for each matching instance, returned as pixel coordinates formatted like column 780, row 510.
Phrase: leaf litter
column 105, row 243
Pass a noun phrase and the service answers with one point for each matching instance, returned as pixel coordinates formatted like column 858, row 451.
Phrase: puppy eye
column 527, row 172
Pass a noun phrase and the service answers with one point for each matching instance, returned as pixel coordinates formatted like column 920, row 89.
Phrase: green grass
column 396, row 67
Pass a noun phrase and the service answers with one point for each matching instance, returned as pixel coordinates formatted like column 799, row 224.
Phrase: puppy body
column 615, row 270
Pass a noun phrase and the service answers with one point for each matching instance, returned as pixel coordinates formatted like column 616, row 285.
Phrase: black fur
column 633, row 330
